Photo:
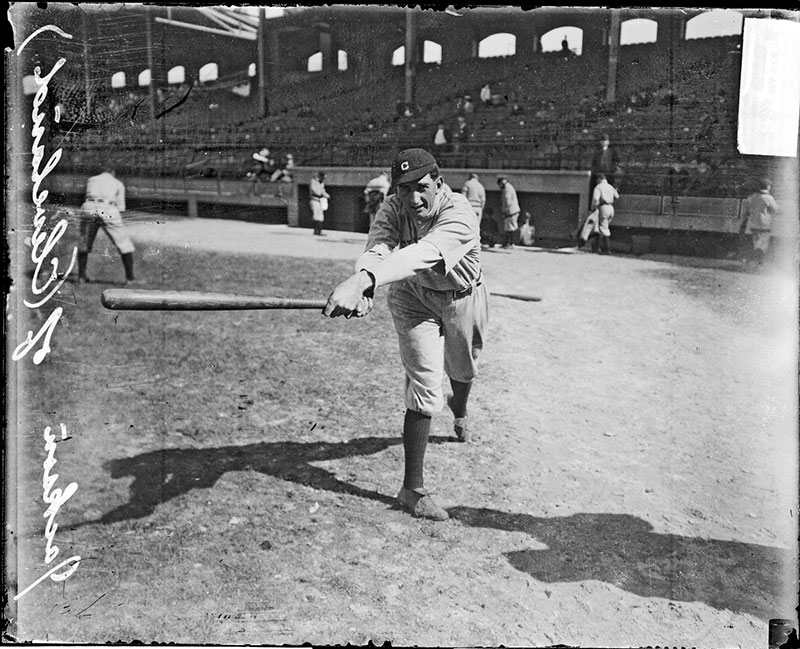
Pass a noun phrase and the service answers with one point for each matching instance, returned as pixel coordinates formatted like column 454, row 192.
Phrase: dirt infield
column 633, row 484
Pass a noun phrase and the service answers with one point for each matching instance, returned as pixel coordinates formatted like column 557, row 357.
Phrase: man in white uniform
column 105, row 201
column 424, row 244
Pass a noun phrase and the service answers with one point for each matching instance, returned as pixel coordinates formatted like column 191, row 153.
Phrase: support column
column 613, row 56
column 87, row 84
column 411, row 59
column 325, row 47
column 150, row 62
column 261, row 64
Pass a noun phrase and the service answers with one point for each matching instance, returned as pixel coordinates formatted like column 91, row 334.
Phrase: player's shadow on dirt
column 624, row 551
column 159, row 476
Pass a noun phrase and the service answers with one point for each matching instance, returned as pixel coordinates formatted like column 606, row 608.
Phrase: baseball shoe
column 420, row 504
column 460, row 424
column 83, row 279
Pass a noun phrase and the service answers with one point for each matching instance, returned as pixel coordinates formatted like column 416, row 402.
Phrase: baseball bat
column 123, row 299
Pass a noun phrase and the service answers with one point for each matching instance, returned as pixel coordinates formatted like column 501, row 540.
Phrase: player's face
column 417, row 197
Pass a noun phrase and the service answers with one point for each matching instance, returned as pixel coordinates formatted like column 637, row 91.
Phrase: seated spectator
column 486, row 95
column 441, row 138
column 460, row 134
column 468, row 106
column 284, row 171
column 263, row 167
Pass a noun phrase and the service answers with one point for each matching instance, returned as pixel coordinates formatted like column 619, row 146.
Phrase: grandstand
column 673, row 102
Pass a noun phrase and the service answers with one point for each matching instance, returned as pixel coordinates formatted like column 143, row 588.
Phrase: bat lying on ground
column 123, row 299
column 524, row 298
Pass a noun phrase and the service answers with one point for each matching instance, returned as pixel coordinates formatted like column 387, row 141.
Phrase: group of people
column 266, row 167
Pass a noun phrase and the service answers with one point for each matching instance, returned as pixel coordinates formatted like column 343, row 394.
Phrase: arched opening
column 29, row 85
column 563, row 39
column 209, row 72
column 638, row 30
column 719, row 22
column 341, row 60
column 251, row 70
column 314, row 63
column 502, row 44
column 176, row 74
column 144, row 77
column 118, row 80
column 399, row 56
column 431, row 52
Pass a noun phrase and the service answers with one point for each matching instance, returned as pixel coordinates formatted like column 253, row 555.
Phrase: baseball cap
column 412, row 164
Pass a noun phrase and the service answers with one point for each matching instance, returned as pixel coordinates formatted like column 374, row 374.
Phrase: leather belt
column 464, row 292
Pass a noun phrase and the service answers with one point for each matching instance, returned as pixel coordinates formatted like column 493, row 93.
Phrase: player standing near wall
column 103, row 207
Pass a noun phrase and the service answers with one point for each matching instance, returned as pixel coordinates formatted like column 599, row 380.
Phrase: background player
column 425, row 242
column 103, row 207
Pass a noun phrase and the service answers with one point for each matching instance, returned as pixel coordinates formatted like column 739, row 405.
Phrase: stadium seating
column 668, row 122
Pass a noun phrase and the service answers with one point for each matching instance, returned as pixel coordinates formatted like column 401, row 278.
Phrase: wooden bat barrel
column 123, row 299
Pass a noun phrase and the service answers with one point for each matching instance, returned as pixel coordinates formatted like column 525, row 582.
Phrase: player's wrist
column 367, row 280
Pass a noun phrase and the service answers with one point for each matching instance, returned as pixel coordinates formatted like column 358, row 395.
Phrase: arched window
column 553, row 41
column 144, row 77
column 29, row 85
column 497, row 45
column 251, row 70
column 431, row 52
column 118, row 80
column 209, row 72
column 638, row 30
column 315, row 62
column 399, row 56
column 176, row 74
column 719, row 22
column 342, row 60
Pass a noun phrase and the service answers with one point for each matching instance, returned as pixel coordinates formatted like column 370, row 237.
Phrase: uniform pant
column 98, row 215
column 437, row 334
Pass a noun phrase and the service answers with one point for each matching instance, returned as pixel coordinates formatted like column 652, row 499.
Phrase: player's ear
column 439, row 182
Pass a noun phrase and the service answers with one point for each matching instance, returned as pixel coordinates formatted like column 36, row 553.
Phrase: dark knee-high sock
column 83, row 257
column 127, row 262
column 416, row 429
column 460, row 397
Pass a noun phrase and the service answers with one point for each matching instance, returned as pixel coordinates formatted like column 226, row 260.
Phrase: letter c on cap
column 404, row 166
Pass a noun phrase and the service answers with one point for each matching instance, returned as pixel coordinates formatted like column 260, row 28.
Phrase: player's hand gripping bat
column 123, row 299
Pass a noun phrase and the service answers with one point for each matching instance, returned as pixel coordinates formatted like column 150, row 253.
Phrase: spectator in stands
column 263, row 167
column 441, row 138
column 606, row 162
column 510, row 211
column 486, row 95
column 468, row 107
column 565, row 47
column 318, row 201
column 475, row 193
column 283, row 172
column 758, row 210
column 460, row 134
column 374, row 193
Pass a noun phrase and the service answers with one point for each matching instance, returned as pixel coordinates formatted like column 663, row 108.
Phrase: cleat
column 420, row 504
column 460, row 425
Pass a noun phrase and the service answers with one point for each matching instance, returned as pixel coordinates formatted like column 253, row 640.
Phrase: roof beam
column 250, row 36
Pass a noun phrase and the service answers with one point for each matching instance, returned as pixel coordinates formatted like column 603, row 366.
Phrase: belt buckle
column 462, row 292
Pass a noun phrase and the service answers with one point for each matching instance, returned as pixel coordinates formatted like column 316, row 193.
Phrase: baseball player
column 510, row 207
column 603, row 198
column 105, row 201
column 424, row 244
column 319, row 201
column 475, row 193
column 757, row 212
